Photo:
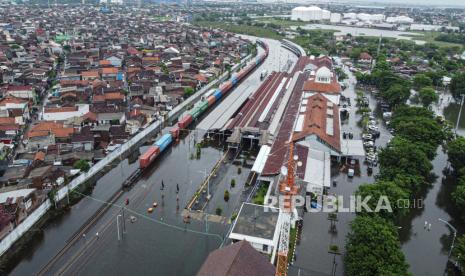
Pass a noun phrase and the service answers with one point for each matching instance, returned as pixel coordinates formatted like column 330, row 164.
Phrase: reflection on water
column 451, row 112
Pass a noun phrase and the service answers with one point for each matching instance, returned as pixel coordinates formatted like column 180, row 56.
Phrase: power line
column 152, row 219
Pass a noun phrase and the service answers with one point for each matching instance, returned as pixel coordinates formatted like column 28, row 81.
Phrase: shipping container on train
column 148, row 156
column 175, row 132
column 185, row 121
column 211, row 100
column 164, row 142
column 217, row 94
column 207, row 100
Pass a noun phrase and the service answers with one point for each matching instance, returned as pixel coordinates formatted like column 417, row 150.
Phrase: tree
column 456, row 153
column 418, row 125
column 457, row 86
column 459, row 251
column 226, row 196
column 188, row 91
column 82, row 165
column 373, row 248
column 396, row 94
column 458, row 196
column 402, row 157
column 427, row 96
column 391, row 190
column 421, row 80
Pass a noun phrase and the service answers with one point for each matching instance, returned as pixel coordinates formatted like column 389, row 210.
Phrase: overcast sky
column 414, row 2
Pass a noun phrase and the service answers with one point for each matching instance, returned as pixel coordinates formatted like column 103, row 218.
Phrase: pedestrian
column 96, row 234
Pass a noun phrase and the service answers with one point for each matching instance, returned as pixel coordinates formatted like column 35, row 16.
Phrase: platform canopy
column 260, row 161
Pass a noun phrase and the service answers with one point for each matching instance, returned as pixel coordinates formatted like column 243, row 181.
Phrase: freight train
column 210, row 98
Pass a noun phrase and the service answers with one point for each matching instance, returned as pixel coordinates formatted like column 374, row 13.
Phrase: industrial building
column 312, row 13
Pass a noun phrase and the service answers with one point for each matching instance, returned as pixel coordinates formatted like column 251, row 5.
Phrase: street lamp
column 208, row 182
column 460, row 113
column 453, row 239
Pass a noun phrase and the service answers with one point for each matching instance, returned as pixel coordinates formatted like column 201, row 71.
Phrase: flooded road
column 155, row 243
column 425, row 250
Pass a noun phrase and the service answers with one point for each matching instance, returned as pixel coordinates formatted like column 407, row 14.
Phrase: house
column 44, row 133
column 83, row 140
column 90, row 75
column 46, row 177
column 365, row 57
column 23, row 92
column 258, row 225
column 7, row 221
column 111, row 118
column 109, row 73
column 239, row 258
column 12, row 104
column 15, row 206
column 64, row 113
column 115, row 61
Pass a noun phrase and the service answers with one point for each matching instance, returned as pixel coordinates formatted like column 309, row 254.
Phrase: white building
column 64, row 113
column 308, row 13
column 325, row 14
column 259, row 225
column 335, row 18
column 349, row 15
column 399, row 19
column 370, row 17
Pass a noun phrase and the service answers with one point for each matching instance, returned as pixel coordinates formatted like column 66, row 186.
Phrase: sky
column 413, row 2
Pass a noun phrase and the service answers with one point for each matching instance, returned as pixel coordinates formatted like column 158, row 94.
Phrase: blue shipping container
column 234, row 79
column 217, row 94
column 164, row 142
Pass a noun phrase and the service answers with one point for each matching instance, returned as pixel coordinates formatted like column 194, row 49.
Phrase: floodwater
column 425, row 249
column 360, row 31
column 154, row 243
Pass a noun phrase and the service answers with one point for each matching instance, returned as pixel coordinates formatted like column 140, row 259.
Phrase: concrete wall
column 136, row 141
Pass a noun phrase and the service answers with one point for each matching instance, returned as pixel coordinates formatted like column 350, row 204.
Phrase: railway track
column 83, row 229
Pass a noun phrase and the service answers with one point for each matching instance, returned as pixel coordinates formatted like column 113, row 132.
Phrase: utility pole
column 453, row 237
column 373, row 64
column 117, row 227
column 460, row 113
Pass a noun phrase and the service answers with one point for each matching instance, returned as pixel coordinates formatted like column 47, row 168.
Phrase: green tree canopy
column 82, row 165
column 421, row 80
column 459, row 250
column 456, row 153
column 418, row 125
column 373, row 248
column 391, row 190
column 396, row 94
column 457, row 85
column 402, row 157
column 188, row 91
column 428, row 96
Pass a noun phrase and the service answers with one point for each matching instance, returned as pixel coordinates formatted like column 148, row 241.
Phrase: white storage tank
column 325, row 14
column 335, row 18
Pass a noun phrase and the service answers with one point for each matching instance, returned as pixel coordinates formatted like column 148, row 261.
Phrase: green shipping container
column 203, row 106
column 195, row 112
